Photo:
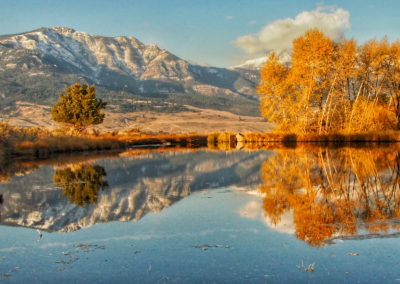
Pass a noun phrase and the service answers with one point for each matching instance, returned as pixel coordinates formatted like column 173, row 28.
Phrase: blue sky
column 197, row 30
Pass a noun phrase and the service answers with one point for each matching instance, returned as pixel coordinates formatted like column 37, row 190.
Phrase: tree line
column 333, row 86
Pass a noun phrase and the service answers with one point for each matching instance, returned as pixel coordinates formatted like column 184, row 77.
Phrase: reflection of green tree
column 81, row 183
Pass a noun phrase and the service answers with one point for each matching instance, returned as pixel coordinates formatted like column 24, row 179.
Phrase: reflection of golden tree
column 81, row 183
column 331, row 191
column 313, row 220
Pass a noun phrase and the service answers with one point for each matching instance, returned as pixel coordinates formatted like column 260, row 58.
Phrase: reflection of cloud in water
column 285, row 225
column 51, row 245
column 13, row 249
column 253, row 210
column 144, row 237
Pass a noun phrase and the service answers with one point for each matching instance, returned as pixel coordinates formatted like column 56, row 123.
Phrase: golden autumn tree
column 333, row 86
column 278, row 100
column 337, row 106
column 294, row 95
column 369, row 107
column 312, row 59
column 394, row 82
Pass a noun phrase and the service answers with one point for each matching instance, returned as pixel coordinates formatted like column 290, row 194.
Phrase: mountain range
column 35, row 66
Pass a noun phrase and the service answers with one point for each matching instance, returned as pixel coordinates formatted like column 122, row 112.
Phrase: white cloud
column 228, row 18
column 252, row 22
column 278, row 35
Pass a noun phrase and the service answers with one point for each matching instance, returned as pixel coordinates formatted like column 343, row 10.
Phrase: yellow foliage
column 332, row 192
column 333, row 86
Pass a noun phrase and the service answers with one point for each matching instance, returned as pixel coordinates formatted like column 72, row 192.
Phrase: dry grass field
column 197, row 120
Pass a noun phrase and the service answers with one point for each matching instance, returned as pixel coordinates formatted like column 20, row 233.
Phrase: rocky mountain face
column 35, row 66
column 137, row 186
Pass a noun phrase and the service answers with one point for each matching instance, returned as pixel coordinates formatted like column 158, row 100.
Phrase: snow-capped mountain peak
column 122, row 54
column 257, row 63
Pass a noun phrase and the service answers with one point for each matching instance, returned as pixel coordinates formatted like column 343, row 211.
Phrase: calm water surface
column 294, row 215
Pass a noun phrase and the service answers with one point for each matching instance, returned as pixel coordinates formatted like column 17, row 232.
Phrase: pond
column 308, row 214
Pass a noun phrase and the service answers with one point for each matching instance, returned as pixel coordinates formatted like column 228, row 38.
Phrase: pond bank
column 292, row 139
column 44, row 147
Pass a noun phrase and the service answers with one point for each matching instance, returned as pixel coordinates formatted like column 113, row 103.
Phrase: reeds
column 191, row 140
column 389, row 136
column 40, row 143
column 277, row 140
column 45, row 147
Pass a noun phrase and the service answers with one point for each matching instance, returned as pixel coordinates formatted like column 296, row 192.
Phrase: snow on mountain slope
column 257, row 63
column 87, row 53
column 35, row 66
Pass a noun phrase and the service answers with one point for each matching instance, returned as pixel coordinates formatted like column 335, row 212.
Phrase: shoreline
column 41, row 148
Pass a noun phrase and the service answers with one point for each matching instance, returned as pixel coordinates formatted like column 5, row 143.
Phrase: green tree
column 79, row 107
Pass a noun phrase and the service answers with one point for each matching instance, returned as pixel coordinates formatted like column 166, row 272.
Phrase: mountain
column 257, row 63
column 35, row 66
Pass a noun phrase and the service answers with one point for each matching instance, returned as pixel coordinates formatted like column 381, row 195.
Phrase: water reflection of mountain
column 137, row 186
column 333, row 194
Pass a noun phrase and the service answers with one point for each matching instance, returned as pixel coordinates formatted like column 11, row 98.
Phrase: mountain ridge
column 35, row 66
